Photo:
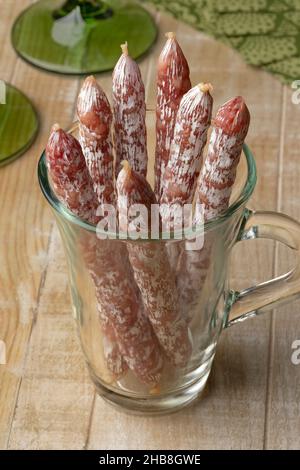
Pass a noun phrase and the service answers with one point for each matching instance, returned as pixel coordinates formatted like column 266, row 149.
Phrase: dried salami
column 120, row 307
column 173, row 82
column 72, row 184
column 190, row 135
column 129, row 110
column 152, row 272
column 213, row 191
column 95, row 118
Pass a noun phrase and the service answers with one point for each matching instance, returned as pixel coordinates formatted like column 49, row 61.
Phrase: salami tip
column 90, row 79
column 171, row 35
column 55, row 127
column 205, row 87
column 124, row 48
column 126, row 166
column 233, row 117
column 93, row 108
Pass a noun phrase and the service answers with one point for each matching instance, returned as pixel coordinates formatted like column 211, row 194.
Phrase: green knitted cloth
column 265, row 32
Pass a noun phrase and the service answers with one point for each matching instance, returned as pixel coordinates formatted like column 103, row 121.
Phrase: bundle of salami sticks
column 145, row 291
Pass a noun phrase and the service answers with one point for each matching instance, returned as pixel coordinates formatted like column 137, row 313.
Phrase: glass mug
column 215, row 307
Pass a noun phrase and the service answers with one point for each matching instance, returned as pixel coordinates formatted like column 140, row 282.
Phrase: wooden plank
column 56, row 394
column 231, row 413
column 9, row 11
column 283, row 405
column 25, row 226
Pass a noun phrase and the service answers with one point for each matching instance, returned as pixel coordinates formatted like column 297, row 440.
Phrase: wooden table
column 46, row 398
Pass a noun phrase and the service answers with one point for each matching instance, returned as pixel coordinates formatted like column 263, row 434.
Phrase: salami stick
column 190, row 135
column 129, row 111
column 214, row 189
column 178, row 182
column 153, row 273
column 225, row 147
column 138, row 343
column 73, row 186
column 116, row 294
column 172, row 83
column 95, row 120
column 136, row 338
column 69, row 175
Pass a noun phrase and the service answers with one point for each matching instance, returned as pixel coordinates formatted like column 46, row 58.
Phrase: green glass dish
column 81, row 37
column 18, row 125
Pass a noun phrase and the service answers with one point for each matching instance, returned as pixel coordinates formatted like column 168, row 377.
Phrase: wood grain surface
column 252, row 400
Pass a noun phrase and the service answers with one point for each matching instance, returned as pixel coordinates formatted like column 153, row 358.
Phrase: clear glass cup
column 213, row 308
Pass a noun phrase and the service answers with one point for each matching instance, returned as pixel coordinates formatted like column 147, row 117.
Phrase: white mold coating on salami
column 120, row 310
column 120, row 298
column 73, row 186
column 190, row 135
column 115, row 280
column 95, row 118
column 129, row 110
column 172, row 83
column 100, row 164
column 153, row 274
column 213, row 191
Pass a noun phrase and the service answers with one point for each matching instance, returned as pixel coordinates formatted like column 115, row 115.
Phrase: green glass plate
column 18, row 125
column 81, row 37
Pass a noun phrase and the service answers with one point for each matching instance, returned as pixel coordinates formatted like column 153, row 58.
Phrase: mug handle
column 249, row 302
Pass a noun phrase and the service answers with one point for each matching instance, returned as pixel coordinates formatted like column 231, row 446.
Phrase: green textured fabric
column 265, row 32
